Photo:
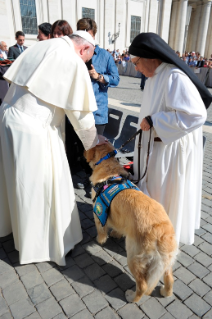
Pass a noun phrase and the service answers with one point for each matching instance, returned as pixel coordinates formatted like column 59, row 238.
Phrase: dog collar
column 111, row 154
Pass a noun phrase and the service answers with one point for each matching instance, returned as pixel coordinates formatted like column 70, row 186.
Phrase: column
column 153, row 13
column 164, row 30
column 203, row 27
column 188, row 18
column 68, row 13
column 190, row 31
column 100, row 24
column 128, row 24
column 194, row 31
column 54, row 10
column 181, row 22
column 43, row 7
column 109, row 23
column 172, row 30
column 208, row 50
column 120, row 18
column 7, row 18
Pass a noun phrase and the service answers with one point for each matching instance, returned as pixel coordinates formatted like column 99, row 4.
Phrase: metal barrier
column 204, row 74
column 201, row 73
column 209, row 79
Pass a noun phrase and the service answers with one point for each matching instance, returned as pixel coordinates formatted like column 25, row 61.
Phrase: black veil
column 151, row 46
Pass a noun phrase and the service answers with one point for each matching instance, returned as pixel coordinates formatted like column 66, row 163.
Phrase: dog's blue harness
column 105, row 193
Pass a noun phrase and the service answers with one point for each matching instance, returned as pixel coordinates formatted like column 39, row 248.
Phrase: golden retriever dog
column 150, row 238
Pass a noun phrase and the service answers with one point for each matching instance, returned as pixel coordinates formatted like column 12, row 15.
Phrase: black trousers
column 75, row 148
column 100, row 128
column 143, row 80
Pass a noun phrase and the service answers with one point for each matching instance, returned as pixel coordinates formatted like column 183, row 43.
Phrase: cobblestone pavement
column 93, row 282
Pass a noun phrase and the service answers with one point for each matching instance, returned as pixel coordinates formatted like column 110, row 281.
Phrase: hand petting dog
column 102, row 140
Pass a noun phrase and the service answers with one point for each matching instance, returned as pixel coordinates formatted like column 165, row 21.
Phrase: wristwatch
column 100, row 77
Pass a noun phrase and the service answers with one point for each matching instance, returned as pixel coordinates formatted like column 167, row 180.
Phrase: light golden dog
column 150, row 239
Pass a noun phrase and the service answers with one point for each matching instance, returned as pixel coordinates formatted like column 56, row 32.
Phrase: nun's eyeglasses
column 135, row 63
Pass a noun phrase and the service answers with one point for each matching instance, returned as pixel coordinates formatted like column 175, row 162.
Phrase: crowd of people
column 67, row 74
column 194, row 59
column 120, row 58
column 62, row 27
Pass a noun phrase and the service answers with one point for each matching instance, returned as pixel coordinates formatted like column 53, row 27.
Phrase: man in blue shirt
column 192, row 62
column 104, row 74
column 126, row 57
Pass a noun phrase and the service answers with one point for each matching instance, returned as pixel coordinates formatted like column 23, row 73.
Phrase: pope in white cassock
column 174, row 109
column 37, row 201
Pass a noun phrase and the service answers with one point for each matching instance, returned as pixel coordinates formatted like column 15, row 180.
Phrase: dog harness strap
column 99, row 187
column 103, row 201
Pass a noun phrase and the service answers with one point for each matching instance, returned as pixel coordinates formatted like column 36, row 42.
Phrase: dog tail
column 160, row 263
column 154, row 265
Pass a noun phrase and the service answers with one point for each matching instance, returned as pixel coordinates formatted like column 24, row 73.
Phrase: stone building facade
column 184, row 24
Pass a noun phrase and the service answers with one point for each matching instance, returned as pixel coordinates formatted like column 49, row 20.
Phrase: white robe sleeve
column 185, row 109
column 84, row 126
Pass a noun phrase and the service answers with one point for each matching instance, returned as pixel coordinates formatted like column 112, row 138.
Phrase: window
column 135, row 27
column 28, row 16
column 88, row 13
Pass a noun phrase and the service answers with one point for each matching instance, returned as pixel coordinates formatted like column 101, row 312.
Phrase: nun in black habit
column 173, row 109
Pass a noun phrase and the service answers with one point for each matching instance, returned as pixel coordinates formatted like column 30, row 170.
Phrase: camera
column 88, row 64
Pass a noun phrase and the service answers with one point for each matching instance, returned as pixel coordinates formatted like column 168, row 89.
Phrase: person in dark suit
column 19, row 47
column 200, row 63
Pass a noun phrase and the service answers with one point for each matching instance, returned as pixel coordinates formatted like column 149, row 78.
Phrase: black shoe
column 88, row 194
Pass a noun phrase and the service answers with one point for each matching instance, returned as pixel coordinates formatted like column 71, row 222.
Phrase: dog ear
column 89, row 155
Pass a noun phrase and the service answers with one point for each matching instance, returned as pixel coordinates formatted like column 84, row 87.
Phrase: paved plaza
column 93, row 283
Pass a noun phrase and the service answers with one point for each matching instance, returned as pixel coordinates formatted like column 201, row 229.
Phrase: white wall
column 5, row 24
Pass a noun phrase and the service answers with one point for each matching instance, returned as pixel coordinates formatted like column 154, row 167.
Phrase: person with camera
column 104, row 74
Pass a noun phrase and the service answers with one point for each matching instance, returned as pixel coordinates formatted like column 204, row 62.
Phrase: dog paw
column 101, row 239
column 130, row 295
column 115, row 234
column 164, row 292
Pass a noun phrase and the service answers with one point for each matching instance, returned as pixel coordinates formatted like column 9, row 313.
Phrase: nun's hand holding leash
column 144, row 125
